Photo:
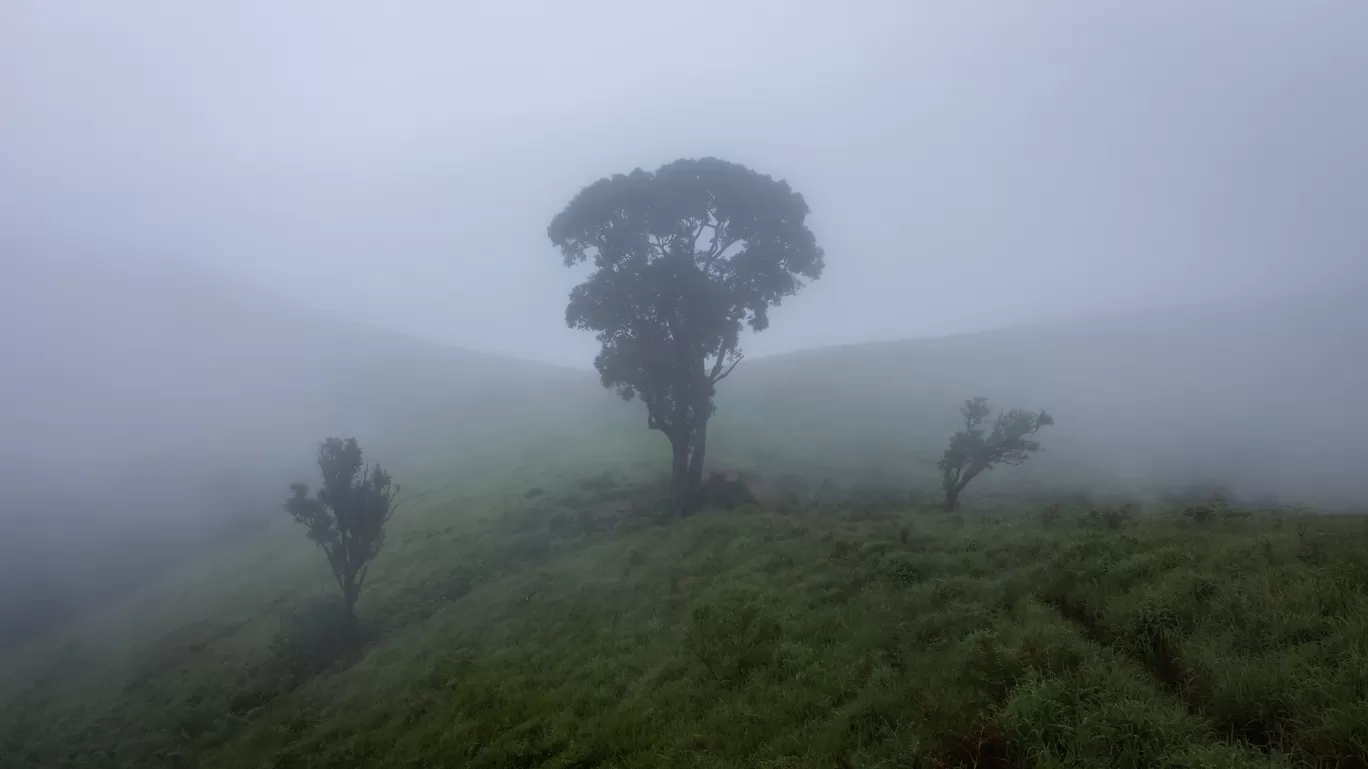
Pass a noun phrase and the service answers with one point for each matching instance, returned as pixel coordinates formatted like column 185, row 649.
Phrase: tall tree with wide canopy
column 684, row 258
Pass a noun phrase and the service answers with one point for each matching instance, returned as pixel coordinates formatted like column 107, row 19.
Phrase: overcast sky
column 968, row 164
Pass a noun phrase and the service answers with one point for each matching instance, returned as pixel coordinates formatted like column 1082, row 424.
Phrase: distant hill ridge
column 161, row 404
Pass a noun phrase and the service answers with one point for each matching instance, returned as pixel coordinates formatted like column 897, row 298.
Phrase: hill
column 568, row 627
column 163, row 410
column 151, row 410
column 562, row 632
column 1255, row 396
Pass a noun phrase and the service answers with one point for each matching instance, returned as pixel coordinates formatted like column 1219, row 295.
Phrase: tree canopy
column 685, row 258
column 972, row 450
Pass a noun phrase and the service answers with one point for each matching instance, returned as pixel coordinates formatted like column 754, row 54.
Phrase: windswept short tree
column 347, row 517
column 973, row 450
column 684, row 258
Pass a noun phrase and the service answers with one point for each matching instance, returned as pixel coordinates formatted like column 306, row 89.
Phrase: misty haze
column 611, row 384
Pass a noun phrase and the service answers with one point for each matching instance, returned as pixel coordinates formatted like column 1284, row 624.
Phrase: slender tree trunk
column 700, row 447
column 350, row 627
column 679, row 475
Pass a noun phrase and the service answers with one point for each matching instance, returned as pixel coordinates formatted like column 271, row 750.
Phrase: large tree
column 684, row 258
column 347, row 517
column 974, row 449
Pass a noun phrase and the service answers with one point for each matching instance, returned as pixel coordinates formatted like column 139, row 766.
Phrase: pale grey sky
column 968, row 164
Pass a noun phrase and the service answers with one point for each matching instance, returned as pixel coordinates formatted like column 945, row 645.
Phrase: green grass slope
column 567, row 631
column 567, row 628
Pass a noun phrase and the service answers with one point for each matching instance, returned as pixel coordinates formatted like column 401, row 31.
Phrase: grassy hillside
column 529, row 611
column 566, row 631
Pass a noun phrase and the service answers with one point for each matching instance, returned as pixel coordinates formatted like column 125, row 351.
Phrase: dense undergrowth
column 573, row 631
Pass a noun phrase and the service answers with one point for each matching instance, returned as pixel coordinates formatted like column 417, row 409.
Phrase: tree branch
column 716, row 377
column 720, row 243
column 717, row 374
column 697, row 231
column 656, row 243
column 336, row 567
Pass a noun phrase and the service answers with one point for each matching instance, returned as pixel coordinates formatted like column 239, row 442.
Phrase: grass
column 562, row 630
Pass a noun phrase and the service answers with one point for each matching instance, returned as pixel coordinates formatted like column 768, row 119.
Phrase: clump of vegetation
column 346, row 518
column 725, row 493
column 1109, row 517
column 731, row 635
column 976, row 449
column 904, row 569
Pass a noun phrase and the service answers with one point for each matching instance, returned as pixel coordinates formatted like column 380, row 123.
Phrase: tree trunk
column 350, row 627
column 951, row 499
column 700, row 446
column 679, row 476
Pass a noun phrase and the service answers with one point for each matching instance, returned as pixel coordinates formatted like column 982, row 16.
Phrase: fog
column 399, row 164
column 212, row 214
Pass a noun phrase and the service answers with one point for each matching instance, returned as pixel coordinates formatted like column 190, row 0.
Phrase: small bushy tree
column 347, row 517
column 975, row 449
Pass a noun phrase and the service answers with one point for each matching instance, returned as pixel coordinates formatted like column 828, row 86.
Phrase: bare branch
column 722, row 352
column 392, row 505
column 720, row 244
column 697, row 233
column 656, row 243
column 719, row 377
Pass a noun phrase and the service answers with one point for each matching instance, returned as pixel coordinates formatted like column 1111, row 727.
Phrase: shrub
column 731, row 635
column 725, row 493
column 1217, row 505
column 1118, row 517
column 902, row 568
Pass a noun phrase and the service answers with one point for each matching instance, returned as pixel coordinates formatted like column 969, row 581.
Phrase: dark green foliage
column 725, row 493
column 972, row 450
column 347, row 517
column 684, row 258
column 731, row 635
column 1215, row 505
column 1108, row 517
column 903, row 568
column 1117, row 517
column 1196, row 493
